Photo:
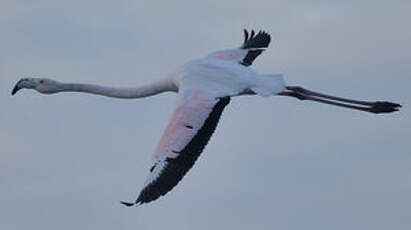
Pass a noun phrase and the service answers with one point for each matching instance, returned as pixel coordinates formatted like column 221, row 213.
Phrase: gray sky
column 67, row 160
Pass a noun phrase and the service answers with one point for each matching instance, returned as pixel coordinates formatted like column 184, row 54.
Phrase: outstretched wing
column 254, row 45
column 189, row 129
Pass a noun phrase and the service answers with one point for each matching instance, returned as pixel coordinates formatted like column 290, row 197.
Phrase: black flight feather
column 259, row 41
column 176, row 168
column 255, row 44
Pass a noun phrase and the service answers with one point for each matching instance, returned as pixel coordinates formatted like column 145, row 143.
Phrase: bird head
column 41, row 85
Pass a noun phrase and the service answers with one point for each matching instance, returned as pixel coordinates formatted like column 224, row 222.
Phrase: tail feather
column 269, row 85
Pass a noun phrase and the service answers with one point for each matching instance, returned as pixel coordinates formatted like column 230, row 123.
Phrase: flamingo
column 204, row 88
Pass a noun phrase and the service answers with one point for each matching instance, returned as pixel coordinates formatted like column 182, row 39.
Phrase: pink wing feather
column 252, row 47
column 186, row 119
column 189, row 129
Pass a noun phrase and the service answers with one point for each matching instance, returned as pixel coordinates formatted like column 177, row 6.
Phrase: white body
column 225, row 77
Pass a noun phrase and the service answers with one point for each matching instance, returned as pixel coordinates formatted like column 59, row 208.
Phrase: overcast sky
column 67, row 160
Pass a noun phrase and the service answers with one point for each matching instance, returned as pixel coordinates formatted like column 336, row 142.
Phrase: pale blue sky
column 67, row 160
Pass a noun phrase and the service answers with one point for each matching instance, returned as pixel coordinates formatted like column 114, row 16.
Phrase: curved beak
column 17, row 87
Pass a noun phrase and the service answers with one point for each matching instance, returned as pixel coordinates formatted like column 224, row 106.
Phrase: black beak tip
column 15, row 89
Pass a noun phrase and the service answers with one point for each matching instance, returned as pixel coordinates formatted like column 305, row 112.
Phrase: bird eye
column 41, row 81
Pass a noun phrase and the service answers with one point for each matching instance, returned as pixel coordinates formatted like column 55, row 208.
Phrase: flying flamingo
column 204, row 88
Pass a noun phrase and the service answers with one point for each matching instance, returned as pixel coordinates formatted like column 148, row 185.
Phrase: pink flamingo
column 204, row 88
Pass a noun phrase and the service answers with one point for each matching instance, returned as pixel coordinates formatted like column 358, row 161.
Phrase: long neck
column 164, row 85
